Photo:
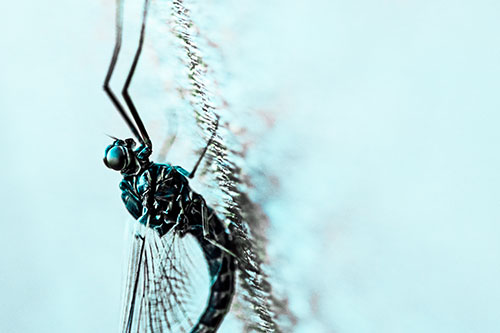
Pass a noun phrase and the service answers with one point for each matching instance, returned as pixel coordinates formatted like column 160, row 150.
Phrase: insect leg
column 191, row 174
column 214, row 243
column 167, row 144
column 206, row 232
column 125, row 93
column 114, row 58
column 204, row 219
column 132, row 202
column 145, row 219
column 134, row 292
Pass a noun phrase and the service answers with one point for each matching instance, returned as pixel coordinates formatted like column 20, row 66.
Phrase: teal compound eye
column 116, row 158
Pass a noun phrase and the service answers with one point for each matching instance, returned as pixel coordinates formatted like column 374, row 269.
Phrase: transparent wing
column 167, row 285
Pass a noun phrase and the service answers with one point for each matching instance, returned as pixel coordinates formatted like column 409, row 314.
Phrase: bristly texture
column 259, row 309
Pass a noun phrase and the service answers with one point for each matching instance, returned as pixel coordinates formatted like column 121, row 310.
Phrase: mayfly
column 159, row 197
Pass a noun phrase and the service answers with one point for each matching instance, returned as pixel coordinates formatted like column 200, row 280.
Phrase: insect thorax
column 174, row 201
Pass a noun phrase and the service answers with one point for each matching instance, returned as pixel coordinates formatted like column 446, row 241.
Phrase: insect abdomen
column 222, row 268
column 221, row 295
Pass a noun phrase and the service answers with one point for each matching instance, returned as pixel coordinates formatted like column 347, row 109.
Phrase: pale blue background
column 385, row 145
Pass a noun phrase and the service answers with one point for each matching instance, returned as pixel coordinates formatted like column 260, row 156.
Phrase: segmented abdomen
column 222, row 269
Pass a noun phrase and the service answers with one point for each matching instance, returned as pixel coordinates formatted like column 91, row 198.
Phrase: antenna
column 125, row 93
column 111, row 68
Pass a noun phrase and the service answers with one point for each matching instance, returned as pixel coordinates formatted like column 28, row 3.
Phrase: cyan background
column 384, row 144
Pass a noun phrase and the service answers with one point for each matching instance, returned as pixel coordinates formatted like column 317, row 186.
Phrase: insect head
column 121, row 156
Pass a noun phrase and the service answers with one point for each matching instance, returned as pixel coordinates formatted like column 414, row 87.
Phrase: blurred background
column 371, row 132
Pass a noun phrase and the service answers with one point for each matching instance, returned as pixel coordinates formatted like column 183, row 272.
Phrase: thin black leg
column 125, row 93
column 191, row 175
column 114, row 58
column 167, row 144
column 134, row 292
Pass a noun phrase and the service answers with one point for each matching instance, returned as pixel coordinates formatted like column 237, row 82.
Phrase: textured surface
column 373, row 150
column 224, row 180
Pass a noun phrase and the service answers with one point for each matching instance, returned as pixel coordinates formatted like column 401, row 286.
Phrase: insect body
column 160, row 198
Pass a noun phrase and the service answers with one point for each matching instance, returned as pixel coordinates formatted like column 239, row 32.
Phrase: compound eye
column 116, row 158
